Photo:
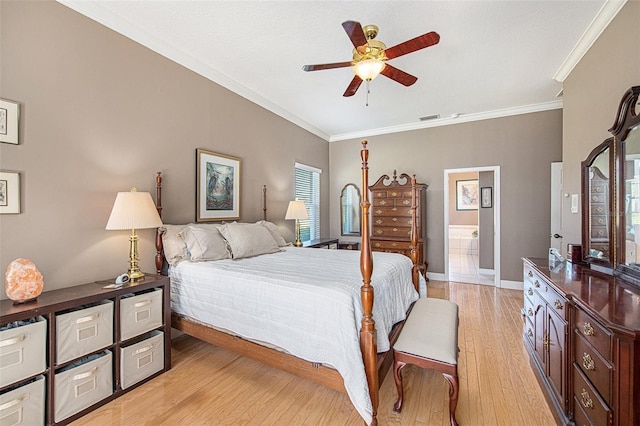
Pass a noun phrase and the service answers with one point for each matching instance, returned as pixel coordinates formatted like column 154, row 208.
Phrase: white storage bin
column 24, row 405
column 84, row 331
column 80, row 386
column 23, row 351
column 140, row 360
column 140, row 313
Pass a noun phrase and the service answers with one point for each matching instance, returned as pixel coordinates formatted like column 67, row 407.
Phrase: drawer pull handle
column 13, row 340
column 588, row 363
column 530, row 312
column 588, row 329
column 88, row 318
column 545, row 340
column 14, row 402
column 141, row 304
column 81, row 376
column 529, row 333
column 530, row 292
column 558, row 304
column 536, row 284
column 530, row 274
column 142, row 350
column 587, row 402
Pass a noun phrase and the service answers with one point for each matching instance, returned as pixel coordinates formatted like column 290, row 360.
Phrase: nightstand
column 349, row 246
column 328, row 243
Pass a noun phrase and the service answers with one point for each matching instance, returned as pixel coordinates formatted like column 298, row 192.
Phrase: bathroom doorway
column 472, row 231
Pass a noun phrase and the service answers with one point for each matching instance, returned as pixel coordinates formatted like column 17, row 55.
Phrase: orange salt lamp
column 23, row 281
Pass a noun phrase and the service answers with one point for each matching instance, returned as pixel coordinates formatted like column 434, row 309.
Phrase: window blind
column 308, row 190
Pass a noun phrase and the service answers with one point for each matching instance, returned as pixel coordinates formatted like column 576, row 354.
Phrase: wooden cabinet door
column 556, row 359
column 539, row 311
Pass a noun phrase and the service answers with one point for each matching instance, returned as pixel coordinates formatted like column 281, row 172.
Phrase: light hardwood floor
column 211, row 386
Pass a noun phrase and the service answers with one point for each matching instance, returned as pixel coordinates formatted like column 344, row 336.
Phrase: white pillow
column 205, row 243
column 246, row 240
column 275, row 232
column 175, row 249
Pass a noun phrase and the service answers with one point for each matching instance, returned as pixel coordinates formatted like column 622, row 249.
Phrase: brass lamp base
column 298, row 243
column 135, row 275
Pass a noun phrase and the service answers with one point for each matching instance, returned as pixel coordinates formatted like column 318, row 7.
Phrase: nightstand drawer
column 23, row 351
column 140, row 313
column 140, row 360
column 24, row 405
column 80, row 386
column 84, row 331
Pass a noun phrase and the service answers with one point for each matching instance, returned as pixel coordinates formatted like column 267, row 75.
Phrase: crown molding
column 447, row 121
column 607, row 12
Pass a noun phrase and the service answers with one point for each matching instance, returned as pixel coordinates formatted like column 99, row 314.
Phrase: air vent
column 429, row 117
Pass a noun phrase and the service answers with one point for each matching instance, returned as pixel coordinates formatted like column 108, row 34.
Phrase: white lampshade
column 296, row 210
column 134, row 210
column 368, row 69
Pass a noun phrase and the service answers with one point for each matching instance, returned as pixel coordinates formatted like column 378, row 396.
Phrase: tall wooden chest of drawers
column 391, row 217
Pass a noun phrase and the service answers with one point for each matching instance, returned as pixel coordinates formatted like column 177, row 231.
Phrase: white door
column 556, row 207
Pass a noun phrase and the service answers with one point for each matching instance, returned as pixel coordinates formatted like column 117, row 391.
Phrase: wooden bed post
column 368, row 328
column 264, row 202
column 159, row 256
column 414, row 236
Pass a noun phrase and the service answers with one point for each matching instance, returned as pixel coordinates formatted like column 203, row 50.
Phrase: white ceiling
column 495, row 58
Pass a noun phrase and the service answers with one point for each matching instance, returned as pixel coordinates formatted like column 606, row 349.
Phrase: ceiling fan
column 370, row 56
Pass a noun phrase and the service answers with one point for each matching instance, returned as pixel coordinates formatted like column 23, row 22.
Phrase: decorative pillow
column 246, row 240
column 205, row 243
column 175, row 249
column 275, row 232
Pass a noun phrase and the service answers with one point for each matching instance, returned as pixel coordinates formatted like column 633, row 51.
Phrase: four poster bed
column 306, row 311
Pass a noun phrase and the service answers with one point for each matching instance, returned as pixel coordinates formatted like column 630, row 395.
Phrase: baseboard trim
column 486, row 271
column 512, row 285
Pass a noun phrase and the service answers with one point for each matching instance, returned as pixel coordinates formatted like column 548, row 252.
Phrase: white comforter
column 306, row 301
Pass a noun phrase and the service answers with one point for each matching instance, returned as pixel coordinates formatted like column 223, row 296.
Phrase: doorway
column 472, row 248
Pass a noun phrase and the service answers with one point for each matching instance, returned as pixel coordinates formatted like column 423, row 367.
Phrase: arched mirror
column 350, row 212
column 597, row 233
column 629, row 136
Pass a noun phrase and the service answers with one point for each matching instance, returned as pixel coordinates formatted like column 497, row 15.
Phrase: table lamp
column 134, row 210
column 297, row 211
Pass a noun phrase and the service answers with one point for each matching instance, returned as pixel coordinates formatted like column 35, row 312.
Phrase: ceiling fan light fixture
column 368, row 69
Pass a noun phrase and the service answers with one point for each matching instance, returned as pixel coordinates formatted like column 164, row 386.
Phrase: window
column 308, row 190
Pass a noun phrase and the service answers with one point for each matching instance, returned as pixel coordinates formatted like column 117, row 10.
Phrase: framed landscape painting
column 217, row 186
column 467, row 194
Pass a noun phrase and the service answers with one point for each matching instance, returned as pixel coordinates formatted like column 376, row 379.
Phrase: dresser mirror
column 611, row 185
column 350, row 211
column 597, row 232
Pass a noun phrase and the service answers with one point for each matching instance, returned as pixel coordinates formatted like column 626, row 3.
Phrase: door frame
column 496, row 218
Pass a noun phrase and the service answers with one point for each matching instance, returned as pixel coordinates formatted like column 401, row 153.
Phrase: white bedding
column 306, row 301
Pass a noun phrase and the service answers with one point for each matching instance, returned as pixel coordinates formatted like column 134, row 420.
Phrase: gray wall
column 485, row 224
column 99, row 114
column 523, row 146
column 592, row 93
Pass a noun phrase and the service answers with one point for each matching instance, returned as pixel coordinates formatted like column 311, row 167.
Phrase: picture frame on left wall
column 9, row 121
column 217, row 186
column 9, row 192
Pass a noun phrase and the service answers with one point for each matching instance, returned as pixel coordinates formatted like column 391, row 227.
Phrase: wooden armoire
column 391, row 217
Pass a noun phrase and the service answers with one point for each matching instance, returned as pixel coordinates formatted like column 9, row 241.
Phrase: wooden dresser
column 582, row 330
column 391, row 217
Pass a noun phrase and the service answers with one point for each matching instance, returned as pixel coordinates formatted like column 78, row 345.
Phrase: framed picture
column 217, row 186
column 467, row 194
column 486, row 197
column 9, row 192
column 9, row 113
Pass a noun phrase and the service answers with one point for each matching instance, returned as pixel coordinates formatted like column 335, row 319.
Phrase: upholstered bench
column 429, row 339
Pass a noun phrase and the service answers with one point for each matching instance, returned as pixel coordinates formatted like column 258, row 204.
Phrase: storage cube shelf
column 75, row 349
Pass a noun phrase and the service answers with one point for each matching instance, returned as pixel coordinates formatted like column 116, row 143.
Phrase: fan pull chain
column 368, row 91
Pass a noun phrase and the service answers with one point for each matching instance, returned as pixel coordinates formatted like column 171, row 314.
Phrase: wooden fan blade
column 420, row 42
column 398, row 75
column 353, row 86
column 320, row 67
column 355, row 32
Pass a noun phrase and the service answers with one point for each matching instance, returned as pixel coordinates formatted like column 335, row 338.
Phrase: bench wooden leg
column 397, row 376
column 453, row 395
